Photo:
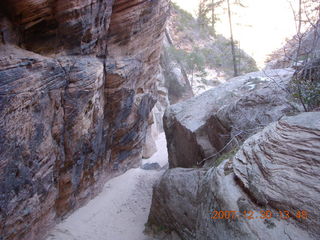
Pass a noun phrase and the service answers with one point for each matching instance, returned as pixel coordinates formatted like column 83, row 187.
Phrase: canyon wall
column 77, row 85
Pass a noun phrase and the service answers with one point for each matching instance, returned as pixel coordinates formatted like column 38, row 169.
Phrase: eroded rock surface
column 175, row 201
column 280, row 166
column 276, row 170
column 77, row 27
column 202, row 127
column 77, row 85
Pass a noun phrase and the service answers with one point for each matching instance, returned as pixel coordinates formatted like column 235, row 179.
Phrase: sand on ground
column 120, row 211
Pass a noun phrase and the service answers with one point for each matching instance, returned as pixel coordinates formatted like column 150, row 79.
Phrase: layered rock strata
column 77, row 85
column 276, row 170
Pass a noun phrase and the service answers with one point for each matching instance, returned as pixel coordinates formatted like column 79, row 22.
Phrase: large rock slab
column 280, row 166
column 202, row 127
column 275, row 170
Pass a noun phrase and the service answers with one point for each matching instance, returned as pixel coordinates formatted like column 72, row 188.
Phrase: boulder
column 203, row 127
column 175, row 201
column 275, row 170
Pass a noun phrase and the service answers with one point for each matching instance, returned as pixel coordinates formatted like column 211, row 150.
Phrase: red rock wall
column 77, row 84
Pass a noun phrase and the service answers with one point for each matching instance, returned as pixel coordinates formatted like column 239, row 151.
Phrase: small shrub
column 305, row 85
column 225, row 156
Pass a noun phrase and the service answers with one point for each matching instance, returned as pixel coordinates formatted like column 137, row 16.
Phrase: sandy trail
column 120, row 211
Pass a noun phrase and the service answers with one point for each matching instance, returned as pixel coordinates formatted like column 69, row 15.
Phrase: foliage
column 302, row 53
column 207, row 13
column 202, row 13
column 211, row 53
column 217, row 55
column 185, row 20
column 193, row 62
column 225, row 156
column 305, row 85
column 196, row 61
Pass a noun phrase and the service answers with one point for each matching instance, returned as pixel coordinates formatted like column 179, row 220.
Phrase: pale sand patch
column 120, row 211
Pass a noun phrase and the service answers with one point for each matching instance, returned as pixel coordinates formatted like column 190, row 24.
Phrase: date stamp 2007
column 255, row 215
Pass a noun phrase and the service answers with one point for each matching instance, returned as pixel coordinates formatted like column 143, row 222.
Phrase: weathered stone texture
column 77, row 85
column 77, row 27
column 280, row 166
column 207, row 125
column 276, row 170
column 175, row 201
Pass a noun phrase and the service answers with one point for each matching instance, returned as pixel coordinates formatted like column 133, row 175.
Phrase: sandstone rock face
column 77, row 27
column 280, row 166
column 275, row 170
column 77, row 85
column 202, row 127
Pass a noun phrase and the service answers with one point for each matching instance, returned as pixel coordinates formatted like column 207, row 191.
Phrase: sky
column 260, row 28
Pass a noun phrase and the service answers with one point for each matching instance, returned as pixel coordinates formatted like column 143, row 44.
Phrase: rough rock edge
column 220, row 189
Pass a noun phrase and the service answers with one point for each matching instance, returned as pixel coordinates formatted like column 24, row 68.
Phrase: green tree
column 232, row 41
column 214, row 16
column 305, row 85
column 207, row 13
column 235, row 68
column 203, row 19
column 195, row 63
